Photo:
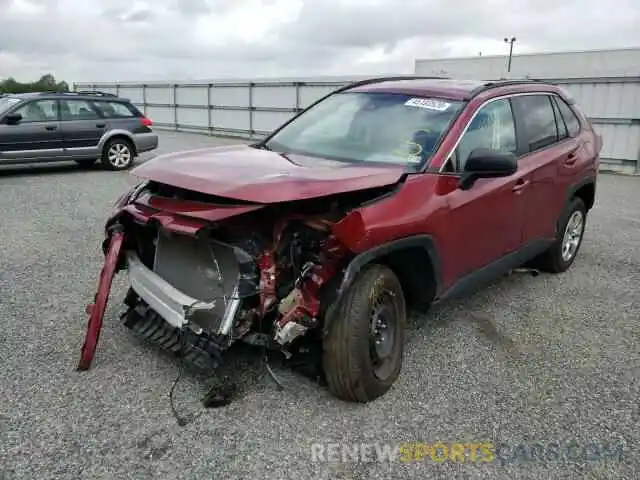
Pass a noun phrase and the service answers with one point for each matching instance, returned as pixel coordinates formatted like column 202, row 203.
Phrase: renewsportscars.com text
column 468, row 452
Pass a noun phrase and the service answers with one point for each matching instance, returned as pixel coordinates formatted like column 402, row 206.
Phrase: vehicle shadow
column 46, row 169
column 242, row 370
column 62, row 167
column 446, row 313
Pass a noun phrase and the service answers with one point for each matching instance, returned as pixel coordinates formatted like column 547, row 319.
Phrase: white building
column 558, row 65
column 605, row 83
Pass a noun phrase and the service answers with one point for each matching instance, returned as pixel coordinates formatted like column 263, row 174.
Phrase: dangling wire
column 181, row 421
column 181, row 351
column 265, row 359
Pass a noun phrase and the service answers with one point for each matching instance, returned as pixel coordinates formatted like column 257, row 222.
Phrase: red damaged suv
column 385, row 195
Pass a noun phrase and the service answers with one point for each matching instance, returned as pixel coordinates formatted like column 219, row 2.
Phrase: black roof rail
column 372, row 80
column 503, row 82
column 95, row 92
column 82, row 92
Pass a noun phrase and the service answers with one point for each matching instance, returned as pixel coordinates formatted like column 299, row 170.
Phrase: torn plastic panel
column 96, row 310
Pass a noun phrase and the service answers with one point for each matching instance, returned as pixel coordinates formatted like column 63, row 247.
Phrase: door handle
column 520, row 184
column 51, row 127
column 101, row 125
column 572, row 157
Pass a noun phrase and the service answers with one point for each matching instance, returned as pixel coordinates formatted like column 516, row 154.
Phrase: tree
column 46, row 83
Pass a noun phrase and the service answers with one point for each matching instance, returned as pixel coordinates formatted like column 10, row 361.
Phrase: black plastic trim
column 362, row 259
column 578, row 185
column 502, row 83
column 336, row 295
column 495, row 269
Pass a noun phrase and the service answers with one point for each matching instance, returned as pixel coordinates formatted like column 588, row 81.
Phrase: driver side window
column 38, row 111
column 492, row 127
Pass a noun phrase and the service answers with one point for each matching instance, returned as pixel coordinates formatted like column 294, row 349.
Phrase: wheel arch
column 414, row 260
column 585, row 190
column 118, row 134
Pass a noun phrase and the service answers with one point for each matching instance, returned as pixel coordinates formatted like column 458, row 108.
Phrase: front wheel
column 117, row 154
column 364, row 342
column 562, row 253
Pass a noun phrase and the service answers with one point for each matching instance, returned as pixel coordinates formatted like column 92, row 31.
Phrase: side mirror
column 487, row 163
column 13, row 118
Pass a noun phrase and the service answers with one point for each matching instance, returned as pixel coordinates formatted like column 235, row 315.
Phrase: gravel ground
column 547, row 358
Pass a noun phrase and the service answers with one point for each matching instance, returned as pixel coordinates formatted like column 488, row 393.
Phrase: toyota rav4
column 386, row 195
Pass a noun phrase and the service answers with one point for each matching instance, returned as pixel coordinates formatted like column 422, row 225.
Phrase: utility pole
column 510, row 41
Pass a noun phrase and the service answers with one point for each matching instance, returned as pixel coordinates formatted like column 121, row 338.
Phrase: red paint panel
column 245, row 173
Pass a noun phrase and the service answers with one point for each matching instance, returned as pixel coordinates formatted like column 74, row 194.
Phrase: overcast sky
column 128, row 40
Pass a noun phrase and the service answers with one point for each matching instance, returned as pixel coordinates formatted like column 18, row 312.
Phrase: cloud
column 129, row 40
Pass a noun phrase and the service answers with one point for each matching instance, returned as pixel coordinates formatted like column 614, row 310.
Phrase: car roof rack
column 95, row 92
column 394, row 78
column 81, row 92
column 503, row 82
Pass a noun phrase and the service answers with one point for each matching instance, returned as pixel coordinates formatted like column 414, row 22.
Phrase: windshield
column 6, row 103
column 369, row 127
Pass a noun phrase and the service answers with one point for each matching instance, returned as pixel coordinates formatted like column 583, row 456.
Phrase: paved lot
column 551, row 358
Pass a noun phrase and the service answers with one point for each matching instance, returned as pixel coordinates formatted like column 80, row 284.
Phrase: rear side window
column 536, row 113
column 116, row 109
column 570, row 118
column 77, row 110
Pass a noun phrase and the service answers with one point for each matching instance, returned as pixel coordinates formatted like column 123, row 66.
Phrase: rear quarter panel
column 588, row 155
column 143, row 137
column 129, row 125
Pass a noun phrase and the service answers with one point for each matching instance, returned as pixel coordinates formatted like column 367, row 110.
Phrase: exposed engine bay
column 266, row 276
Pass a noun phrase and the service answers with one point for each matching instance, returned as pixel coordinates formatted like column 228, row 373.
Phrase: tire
column 563, row 251
column 118, row 154
column 350, row 351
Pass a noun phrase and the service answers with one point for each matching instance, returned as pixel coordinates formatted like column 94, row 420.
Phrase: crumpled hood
column 249, row 174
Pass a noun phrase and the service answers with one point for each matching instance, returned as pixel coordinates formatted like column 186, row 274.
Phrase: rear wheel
column 562, row 253
column 364, row 342
column 117, row 154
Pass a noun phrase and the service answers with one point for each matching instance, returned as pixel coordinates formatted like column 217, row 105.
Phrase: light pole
column 510, row 41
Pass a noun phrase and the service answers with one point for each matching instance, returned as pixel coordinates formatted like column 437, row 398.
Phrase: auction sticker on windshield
column 428, row 103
